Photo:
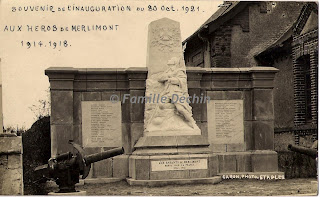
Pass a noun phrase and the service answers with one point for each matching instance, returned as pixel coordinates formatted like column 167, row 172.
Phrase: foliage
column 296, row 165
column 36, row 151
column 17, row 130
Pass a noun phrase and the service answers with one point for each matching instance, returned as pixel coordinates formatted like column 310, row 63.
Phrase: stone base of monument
column 258, row 161
column 152, row 183
column 171, row 145
column 78, row 193
column 101, row 180
column 162, row 160
column 183, row 166
column 157, row 170
column 155, row 166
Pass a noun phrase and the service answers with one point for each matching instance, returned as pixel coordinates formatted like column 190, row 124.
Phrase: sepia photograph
column 158, row 98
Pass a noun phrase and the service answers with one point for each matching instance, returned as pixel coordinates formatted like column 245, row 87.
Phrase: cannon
column 65, row 169
column 312, row 152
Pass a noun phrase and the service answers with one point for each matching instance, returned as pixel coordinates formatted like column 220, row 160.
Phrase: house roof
column 224, row 10
column 278, row 43
column 306, row 10
column 295, row 28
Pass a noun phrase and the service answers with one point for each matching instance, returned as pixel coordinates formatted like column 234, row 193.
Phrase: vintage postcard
column 158, row 97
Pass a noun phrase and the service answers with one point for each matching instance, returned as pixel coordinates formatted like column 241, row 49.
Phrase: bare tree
column 43, row 107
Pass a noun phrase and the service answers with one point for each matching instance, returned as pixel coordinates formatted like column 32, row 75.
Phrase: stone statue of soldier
column 175, row 81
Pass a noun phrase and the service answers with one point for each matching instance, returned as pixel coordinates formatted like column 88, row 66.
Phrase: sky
column 23, row 80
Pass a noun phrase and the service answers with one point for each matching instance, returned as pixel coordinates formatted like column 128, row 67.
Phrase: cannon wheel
column 82, row 164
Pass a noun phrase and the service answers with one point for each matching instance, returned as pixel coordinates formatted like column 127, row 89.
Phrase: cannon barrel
column 307, row 151
column 64, row 156
column 104, row 155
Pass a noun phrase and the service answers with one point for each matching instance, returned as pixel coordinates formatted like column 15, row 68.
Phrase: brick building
column 279, row 34
column 295, row 54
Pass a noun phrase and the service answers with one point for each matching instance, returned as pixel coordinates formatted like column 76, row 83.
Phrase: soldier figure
column 175, row 81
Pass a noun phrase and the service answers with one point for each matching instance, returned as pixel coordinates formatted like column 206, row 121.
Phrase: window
column 305, row 63
column 308, row 91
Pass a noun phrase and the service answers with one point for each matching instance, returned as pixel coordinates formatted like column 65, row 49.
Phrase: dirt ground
column 224, row 188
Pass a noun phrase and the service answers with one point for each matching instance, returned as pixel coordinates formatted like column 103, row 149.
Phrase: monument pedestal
column 163, row 160
column 155, row 145
column 258, row 164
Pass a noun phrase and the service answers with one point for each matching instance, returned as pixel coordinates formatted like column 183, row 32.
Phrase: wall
column 11, row 176
column 220, row 52
column 305, row 45
column 284, row 94
column 70, row 86
column 240, row 43
column 239, row 38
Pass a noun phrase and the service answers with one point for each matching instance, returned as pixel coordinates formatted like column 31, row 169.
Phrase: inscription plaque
column 225, row 121
column 101, row 124
column 190, row 164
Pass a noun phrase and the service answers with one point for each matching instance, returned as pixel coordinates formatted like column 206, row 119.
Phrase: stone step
column 155, row 183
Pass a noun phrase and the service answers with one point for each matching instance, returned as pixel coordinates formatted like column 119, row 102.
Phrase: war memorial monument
column 225, row 131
